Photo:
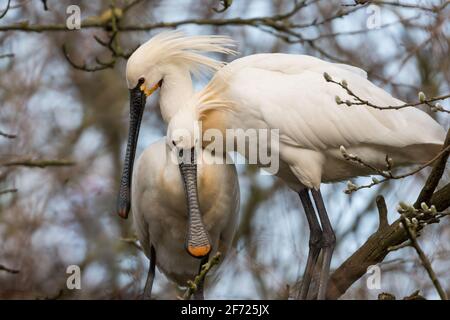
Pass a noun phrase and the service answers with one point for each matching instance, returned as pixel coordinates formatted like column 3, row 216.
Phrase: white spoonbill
column 163, row 213
column 289, row 93
column 198, row 242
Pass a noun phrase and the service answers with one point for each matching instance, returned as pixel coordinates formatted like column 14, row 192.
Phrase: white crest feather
column 176, row 47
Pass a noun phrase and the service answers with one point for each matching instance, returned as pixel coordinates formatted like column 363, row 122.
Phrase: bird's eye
column 141, row 80
column 180, row 153
column 173, row 142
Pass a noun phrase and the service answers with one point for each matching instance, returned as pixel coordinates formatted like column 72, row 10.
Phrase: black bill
column 137, row 105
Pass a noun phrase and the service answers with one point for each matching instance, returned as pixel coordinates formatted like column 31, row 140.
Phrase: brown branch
column 382, row 213
column 435, row 175
column 38, row 163
column 411, row 232
column 441, row 198
column 9, row 270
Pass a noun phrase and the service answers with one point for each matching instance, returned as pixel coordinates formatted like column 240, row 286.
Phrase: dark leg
column 198, row 294
column 328, row 243
column 150, row 275
column 315, row 237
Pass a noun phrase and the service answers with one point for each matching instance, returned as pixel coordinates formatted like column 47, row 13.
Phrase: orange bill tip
column 123, row 213
column 199, row 252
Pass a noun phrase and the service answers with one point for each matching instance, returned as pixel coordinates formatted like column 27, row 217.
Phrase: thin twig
column 6, row 10
column 386, row 174
column 7, row 135
column 84, row 66
column 9, row 270
column 423, row 258
column 39, row 163
column 193, row 285
column 13, row 190
column 362, row 102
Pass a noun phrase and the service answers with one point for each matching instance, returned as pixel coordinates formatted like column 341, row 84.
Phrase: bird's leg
column 328, row 243
column 198, row 294
column 150, row 275
column 315, row 238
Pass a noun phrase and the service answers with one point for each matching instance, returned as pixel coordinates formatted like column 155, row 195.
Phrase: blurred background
column 64, row 132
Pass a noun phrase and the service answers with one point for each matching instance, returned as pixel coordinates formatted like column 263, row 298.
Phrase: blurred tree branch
column 7, row 135
column 39, row 163
column 14, row 190
column 6, row 9
column 9, row 270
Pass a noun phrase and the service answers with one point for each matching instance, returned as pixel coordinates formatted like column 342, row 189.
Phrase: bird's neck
column 176, row 90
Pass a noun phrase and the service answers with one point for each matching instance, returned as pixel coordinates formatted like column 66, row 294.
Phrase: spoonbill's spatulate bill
column 163, row 206
column 289, row 93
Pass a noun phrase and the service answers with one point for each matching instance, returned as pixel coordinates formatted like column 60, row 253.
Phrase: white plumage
column 160, row 214
column 289, row 92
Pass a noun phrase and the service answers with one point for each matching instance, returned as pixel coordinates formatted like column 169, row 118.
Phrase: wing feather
column 289, row 92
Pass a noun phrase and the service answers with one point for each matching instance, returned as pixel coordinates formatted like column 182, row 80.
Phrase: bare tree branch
column 39, row 163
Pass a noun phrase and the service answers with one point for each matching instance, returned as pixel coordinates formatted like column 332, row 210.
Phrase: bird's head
column 152, row 61
column 183, row 132
column 143, row 76
column 145, row 72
